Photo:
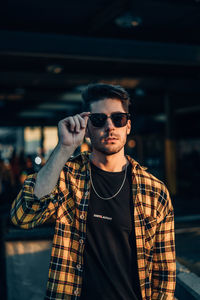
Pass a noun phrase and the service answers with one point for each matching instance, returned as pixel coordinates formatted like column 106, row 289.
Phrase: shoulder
column 154, row 194
column 157, row 195
column 77, row 163
column 73, row 171
column 145, row 179
column 148, row 180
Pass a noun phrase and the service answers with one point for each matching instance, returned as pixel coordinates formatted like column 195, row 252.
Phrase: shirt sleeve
column 164, row 258
column 28, row 211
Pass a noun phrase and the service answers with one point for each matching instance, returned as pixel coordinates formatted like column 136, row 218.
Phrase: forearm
column 48, row 176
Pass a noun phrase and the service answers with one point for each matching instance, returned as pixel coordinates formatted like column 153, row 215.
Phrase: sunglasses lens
column 119, row 120
column 98, row 120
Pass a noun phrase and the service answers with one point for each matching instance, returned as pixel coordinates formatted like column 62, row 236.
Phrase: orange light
column 131, row 143
column 85, row 147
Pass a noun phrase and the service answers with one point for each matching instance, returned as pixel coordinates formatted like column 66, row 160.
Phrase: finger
column 85, row 114
column 71, row 124
column 86, row 117
column 82, row 121
column 77, row 123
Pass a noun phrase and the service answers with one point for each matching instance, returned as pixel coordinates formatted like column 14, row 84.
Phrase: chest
column 116, row 212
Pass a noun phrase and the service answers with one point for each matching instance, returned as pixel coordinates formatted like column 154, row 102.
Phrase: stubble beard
column 95, row 144
column 107, row 150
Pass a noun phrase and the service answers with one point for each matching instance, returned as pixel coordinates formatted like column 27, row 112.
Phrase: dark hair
column 100, row 91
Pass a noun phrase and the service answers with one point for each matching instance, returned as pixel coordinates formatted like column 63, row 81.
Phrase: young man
column 114, row 231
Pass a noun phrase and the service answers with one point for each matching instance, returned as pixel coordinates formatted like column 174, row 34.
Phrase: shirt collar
column 86, row 158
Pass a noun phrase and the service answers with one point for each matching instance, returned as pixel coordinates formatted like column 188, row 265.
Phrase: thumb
column 85, row 116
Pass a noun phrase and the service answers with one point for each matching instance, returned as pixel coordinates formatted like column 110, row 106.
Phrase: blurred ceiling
column 50, row 50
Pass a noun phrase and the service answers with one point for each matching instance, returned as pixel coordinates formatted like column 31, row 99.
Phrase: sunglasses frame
column 114, row 113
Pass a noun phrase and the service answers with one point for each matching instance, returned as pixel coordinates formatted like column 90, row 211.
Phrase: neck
column 112, row 163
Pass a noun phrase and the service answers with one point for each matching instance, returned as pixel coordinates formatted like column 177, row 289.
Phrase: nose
column 109, row 124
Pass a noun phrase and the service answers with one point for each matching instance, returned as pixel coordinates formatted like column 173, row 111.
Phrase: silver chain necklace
column 104, row 198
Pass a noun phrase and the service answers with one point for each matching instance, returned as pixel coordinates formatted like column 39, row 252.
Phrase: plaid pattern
column 68, row 202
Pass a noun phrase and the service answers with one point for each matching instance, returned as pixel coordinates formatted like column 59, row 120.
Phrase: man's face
column 108, row 139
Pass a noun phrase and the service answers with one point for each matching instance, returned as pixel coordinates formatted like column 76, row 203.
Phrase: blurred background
column 50, row 51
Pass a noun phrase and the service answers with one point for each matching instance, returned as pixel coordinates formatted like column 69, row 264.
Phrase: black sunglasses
column 118, row 119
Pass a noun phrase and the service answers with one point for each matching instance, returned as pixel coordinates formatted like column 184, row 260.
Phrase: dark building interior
column 50, row 51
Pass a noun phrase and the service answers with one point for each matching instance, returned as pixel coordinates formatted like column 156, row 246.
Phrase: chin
column 108, row 151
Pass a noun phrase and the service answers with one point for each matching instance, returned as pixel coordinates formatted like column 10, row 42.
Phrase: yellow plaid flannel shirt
column 68, row 202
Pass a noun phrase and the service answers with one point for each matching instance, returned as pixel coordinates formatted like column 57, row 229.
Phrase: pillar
column 170, row 147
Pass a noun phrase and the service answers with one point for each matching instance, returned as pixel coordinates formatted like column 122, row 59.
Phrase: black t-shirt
column 110, row 261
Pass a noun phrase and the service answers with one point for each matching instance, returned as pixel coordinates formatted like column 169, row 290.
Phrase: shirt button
column 81, row 241
column 82, row 217
column 76, row 292
column 78, row 267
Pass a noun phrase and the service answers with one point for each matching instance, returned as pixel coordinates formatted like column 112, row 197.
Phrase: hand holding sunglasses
column 71, row 130
column 99, row 119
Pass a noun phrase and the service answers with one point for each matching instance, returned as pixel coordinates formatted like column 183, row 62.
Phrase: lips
column 110, row 139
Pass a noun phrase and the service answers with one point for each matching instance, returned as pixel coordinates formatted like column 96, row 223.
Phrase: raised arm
column 39, row 196
column 71, row 132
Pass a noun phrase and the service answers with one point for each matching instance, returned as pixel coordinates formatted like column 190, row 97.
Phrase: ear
column 128, row 127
